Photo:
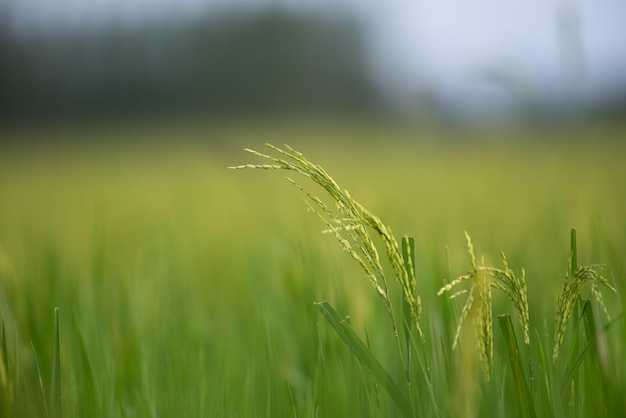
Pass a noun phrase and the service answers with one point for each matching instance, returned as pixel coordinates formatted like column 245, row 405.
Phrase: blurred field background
column 186, row 289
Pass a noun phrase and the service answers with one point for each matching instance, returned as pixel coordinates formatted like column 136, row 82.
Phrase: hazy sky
column 454, row 49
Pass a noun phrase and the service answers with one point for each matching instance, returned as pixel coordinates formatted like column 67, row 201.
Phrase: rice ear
column 350, row 223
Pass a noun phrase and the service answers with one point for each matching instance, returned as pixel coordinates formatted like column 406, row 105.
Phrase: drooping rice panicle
column 459, row 293
column 515, row 289
column 466, row 309
column 349, row 226
column 484, row 278
column 484, row 319
column 453, row 283
column 571, row 292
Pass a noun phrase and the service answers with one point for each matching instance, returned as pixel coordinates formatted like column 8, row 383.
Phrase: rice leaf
column 92, row 400
column 408, row 256
column 40, row 378
column 55, row 388
column 360, row 351
column 6, row 392
column 524, row 395
column 549, row 385
column 574, row 252
column 5, row 353
column 577, row 361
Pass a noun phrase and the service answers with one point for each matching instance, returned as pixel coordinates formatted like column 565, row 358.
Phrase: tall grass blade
column 40, row 378
column 550, row 386
column 6, row 395
column 574, row 252
column 577, row 361
column 92, row 400
column 408, row 256
column 360, row 351
column 524, row 395
column 597, row 334
column 572, row 273
column 55, row 388
column 5, row 352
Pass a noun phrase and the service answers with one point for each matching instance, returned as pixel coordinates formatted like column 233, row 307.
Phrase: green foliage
column 55, row 386
column 483, row 279
column 353, row 217
column 185, row 290
column 524, row 396
column 577, row 276
column 362, row 353
column 349, row 226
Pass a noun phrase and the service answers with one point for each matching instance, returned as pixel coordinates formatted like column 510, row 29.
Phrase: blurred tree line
column 257, row 62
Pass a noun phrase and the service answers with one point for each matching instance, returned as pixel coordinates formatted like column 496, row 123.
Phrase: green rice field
column 143, row 278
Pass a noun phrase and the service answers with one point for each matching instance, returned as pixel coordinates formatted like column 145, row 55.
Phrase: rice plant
column 351, row 224
column 575, row 279
column 176, row 299
column 483, row 279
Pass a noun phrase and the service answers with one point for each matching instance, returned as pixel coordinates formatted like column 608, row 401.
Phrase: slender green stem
column 408, row 256
column 55, row 388
column 524, row 395
column 574, row 252
column 366, row 358
column 577, row 378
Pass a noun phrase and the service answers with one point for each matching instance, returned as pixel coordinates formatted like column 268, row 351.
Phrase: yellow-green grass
column 187, row 289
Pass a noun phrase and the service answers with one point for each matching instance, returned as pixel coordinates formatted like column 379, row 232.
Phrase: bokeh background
column 186, row 289
column 96, row 60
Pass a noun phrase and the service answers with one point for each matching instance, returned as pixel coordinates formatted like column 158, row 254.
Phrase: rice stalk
column 366, row 358
column 6, row 386
column 483, row 279
column 55, row 387
column 350, row 223
column 572, row 288
column 524, row 395
column 42, row 391
column 515, row 289
column 567, row 302
column 408, row 255
column 485, row 325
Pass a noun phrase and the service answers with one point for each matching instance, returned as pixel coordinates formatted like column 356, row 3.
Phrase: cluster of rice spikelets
column 515, row 289
column 566, row 301
column 348, row 223
column 483, row 279
column 485, row 326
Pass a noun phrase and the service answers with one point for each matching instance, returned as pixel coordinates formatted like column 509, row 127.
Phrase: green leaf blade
column 524, row 396
column 365, row 357
column 55, row 388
